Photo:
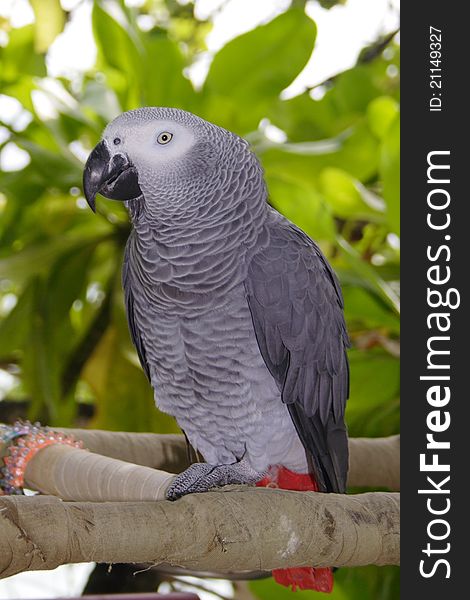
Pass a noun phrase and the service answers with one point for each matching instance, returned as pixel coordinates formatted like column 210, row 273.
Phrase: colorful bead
column 23, row 441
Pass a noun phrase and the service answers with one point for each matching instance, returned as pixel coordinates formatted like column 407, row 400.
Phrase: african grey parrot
column 236, row 315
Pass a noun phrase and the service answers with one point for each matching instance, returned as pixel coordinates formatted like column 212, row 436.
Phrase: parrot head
column 160, row 154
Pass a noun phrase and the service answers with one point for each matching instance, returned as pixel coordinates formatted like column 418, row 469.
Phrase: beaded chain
column 19, row 443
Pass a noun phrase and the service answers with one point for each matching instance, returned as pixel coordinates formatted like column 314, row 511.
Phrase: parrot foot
column 200, row 477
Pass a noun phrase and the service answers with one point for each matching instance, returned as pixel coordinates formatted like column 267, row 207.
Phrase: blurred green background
column 332, row 168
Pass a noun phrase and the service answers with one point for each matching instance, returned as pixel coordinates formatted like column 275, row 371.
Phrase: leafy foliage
column 63, row 334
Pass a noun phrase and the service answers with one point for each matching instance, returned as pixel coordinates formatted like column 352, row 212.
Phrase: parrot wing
column 297, row 310
column 130, row 309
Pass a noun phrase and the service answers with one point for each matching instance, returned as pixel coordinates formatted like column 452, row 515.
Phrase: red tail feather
column 304, row 578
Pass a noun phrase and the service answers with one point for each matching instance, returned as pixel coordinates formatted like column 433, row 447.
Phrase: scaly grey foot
column 200, row 477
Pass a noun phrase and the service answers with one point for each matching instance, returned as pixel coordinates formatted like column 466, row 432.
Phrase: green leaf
column 381, row 113
column 303, row 118
column 390, row 173
column 302, row 205
column 367, row 583
column 39, row 364
column 369, row 275
column 91, row 323
column 62, row 170
column 354, row 90
column 21, row 89
column 357, row 154
column 115, row 38
column 50, row 20
column 19, row 58
column 120, row 48
column 251, row 70
column 37, row 259
column 268, row 589
column 14, row 327
column 342, row 104
column 347, row 196
column 363, row 310
column 22, row 189
column 373, row 408
column 102, row 100
column 164, row 83
column 65, row 284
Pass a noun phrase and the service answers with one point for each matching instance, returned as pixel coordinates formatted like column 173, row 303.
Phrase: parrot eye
column 164, row 137
column 116, row 141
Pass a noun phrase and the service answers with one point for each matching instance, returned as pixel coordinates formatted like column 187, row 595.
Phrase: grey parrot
column 235, row 313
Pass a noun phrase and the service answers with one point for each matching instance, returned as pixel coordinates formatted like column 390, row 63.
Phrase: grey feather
column 134, row 330
column 297, row 310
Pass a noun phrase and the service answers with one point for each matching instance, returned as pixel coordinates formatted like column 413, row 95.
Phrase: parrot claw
column 201, row 477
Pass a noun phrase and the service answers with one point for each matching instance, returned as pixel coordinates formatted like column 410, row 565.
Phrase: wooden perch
column 373, row 462
column 74, row 474
column 234, row 529
column 78, row 475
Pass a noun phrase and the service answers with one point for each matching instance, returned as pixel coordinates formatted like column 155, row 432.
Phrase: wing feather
column 130, row 310
column 297, row 310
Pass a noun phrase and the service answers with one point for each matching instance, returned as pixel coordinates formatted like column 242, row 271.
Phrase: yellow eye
column 164, row 137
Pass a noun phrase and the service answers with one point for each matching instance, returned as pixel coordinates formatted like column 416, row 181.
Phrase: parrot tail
column 305, row 578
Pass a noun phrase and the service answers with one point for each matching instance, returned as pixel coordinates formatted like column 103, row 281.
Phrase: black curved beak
column 113, row 176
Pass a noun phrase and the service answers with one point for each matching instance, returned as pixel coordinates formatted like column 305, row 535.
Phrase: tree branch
column 373, row 462
column 231, row 530
column 234, row 529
